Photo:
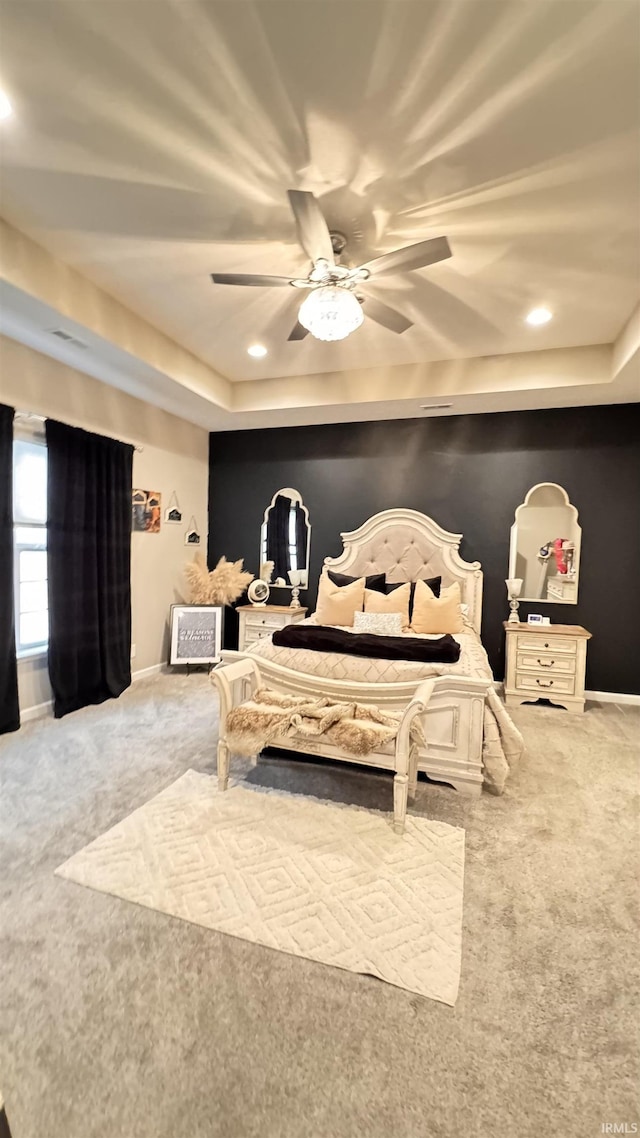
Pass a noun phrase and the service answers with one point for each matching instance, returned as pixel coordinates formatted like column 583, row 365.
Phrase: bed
column 469, row 739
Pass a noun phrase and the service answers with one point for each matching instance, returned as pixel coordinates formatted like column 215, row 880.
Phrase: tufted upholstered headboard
column 408, row 546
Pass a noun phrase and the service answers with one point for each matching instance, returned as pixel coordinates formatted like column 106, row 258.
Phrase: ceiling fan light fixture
column 331, row 313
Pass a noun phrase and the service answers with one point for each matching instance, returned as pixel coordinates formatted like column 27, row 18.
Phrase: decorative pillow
column 397, row 601
column 376, row 581
column 378, row 623
column 436, row 615
column 336, row 604
column 434, row 584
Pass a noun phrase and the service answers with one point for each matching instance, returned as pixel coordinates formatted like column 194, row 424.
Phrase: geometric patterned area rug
column 331, row 883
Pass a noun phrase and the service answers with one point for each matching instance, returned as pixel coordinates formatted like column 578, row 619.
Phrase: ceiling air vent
column 67, row 337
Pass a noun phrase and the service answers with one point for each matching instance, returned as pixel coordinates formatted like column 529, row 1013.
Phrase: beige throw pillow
column 436, row 615
column 397, row 601
column 336, row 604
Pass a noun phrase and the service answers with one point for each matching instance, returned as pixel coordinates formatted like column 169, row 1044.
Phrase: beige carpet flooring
column 331, row 883
column 117, row 1021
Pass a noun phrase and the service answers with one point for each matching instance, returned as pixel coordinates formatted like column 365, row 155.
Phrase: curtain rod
column 43, row 418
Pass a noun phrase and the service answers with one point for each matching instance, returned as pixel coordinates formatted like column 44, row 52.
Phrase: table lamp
column 514, row 588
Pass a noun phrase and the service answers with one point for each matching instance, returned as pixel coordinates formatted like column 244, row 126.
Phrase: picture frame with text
column 195, row 634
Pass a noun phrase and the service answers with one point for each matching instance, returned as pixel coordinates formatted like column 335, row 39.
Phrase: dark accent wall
column 469, row 473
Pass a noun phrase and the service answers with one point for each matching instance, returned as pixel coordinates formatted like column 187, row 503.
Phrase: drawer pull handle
column 545, row 683
column 549, row 665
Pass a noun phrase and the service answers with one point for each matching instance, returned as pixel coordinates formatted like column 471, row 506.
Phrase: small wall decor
column 192, row 536
column 145, row 511
column 172, row 513
column 196, row 634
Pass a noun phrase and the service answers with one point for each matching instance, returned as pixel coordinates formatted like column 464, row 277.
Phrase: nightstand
column 546, row 661
column 258, row 621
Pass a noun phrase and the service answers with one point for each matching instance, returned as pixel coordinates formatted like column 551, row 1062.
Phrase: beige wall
column 174, row 457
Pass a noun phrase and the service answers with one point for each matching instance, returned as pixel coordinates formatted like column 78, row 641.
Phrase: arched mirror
column 285, row 538
column 545, row 546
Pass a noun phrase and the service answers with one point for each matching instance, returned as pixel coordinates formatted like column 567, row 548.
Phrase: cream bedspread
column 502, row 743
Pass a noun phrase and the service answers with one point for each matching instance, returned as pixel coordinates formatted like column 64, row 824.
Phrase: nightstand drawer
column 550, row 645
column 545, row 685
column 257, row 622
column 254, row 626
column 539, row 662
column 260, row 633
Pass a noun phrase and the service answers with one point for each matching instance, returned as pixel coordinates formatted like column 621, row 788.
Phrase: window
column 293, row 540
column 30, row 545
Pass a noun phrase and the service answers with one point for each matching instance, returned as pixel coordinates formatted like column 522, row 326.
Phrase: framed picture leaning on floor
column 196, row 634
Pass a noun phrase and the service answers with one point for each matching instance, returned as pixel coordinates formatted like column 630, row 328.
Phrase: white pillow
column 378, row 623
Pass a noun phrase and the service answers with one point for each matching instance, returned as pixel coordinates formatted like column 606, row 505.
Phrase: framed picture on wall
column 196, row 634
column 145, row 511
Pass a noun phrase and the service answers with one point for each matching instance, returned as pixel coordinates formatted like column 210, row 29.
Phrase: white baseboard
column 613, row 697
column 145, row 673
column 40, row 709
column 36, row 712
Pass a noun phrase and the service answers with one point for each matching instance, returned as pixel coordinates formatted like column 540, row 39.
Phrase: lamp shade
column 514, row 586
column 330, row 313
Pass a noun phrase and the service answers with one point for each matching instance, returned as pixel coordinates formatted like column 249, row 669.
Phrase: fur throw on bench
column 271, row 716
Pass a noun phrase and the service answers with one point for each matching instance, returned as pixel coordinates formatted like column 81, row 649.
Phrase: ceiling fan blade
column 298, row 332
column 386, row 316
column 313, row 231
column 412, row 257
column 253, row 279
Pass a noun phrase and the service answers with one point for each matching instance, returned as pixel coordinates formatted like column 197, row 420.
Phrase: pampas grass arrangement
column 222, row 586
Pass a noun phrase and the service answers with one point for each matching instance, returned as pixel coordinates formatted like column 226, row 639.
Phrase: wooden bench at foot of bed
column 237, row 684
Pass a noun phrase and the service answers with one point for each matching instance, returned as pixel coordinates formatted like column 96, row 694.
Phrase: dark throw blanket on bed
column 325, row 638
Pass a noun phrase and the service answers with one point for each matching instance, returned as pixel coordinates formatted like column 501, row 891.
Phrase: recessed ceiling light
column 5, row 106
column 539, row 316
column 257, row 351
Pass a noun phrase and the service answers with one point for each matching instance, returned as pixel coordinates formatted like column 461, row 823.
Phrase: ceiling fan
column 333, row 308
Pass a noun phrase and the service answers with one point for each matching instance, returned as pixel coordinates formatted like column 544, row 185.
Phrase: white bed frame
column 407, row 546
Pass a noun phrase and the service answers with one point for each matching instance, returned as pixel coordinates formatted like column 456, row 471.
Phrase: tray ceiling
column 152, row 144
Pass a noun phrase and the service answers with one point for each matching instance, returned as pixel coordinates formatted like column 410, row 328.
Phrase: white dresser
column 561, row 588
column 546, row 662
column 257, row 621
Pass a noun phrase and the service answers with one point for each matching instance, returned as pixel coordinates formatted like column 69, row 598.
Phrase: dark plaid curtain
column 89, row 559
column 9, row 711
column 278, row 537
column 4, row 1125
